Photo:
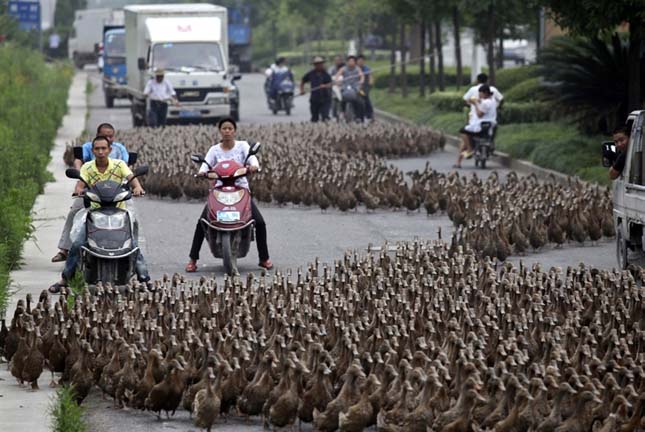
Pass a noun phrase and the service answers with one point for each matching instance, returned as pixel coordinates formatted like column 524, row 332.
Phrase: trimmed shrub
column 507, row 78
column 524, row 112
column 528, row 90
column 447, row 101
column 33, row 96
column 382, row 80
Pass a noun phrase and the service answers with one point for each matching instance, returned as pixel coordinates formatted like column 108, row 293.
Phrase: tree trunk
column 392, row 80
column 500, row 51
column 359, row 47
column 457, row 36
column 490, row 44
column 438, row 46
column 422, row 60
column 404, row 75
column 634, row 64
column 274, row 42
column 433, row 73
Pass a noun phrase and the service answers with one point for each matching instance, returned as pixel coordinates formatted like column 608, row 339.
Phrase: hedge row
column 33, row 99
column 511, row 112
column 382, row 80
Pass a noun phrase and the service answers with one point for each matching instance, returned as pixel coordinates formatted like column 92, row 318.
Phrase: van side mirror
column 141, row 64
column 197, row 158
column 236, row 77
column 609, row 153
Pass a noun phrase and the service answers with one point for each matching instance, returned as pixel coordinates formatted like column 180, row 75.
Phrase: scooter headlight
column 229, row 198
column 120, row 196
column 93, row 197
column 109, row 222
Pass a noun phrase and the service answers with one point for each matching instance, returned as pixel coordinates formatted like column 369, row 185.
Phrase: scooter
column 484, row 144
column 229, row 224
column 284, row 96
column 110, row 253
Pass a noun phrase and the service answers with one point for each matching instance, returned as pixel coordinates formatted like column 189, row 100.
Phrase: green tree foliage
column 591, row 18
column 588, row 78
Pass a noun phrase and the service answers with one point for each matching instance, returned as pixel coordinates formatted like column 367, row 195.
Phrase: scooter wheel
column 227, row 254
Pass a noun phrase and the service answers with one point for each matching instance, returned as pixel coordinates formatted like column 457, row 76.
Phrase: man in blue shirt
column 118, row 152
column 367, row 84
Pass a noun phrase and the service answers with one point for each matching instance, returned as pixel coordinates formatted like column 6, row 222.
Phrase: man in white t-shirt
column 485, row 111
column 473, row 94
column 160, row 92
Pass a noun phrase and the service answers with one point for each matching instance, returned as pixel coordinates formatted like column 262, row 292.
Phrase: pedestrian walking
column 368, row 110
column 320, row 83
column 160, row 92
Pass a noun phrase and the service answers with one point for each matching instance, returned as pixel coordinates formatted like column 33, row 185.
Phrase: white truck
column 629, row 192
column 188, row 41
column 87, row 33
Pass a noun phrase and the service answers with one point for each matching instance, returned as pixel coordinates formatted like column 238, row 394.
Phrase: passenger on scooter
column 351, row 79
column 230, row 149
column 485, row 111
column 118, row 152
column 102, row 168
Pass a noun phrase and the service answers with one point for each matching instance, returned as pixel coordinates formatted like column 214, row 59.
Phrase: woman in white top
column 230, row 149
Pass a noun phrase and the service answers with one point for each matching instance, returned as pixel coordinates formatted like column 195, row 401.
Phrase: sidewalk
column 20, row 408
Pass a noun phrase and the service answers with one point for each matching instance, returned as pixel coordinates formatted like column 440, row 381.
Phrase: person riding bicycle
column 351, row 80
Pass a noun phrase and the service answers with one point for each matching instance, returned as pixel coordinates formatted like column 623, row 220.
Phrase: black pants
column 369, row 110
column 319, row 109
column 158, row 113
column 260, row 234
column 357, row 107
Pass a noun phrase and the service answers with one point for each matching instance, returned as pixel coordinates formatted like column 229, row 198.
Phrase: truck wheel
column 109, row 100
column 482, row 164
column 235, row 115
column 227, row 254
column 621, row 250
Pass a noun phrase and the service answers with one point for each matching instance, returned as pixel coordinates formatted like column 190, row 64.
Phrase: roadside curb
column 502, row 158
column 20, row 408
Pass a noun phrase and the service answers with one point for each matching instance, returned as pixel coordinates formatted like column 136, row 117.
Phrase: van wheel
column 621, row 251
column 109, row 100
column 482, row 163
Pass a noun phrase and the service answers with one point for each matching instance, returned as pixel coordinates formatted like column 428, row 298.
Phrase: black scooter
column 484, row 144
column 110, row 254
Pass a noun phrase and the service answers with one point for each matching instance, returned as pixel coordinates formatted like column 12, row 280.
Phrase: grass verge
column 65, row 414
column 556, row 145
column 33, row 96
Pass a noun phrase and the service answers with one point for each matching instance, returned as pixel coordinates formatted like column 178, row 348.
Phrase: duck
column 34, row 360
column 206, row 405
column 258, row 390
column 581, row 420
column 348, row 396
column 285, row 410
column 127, row 380
column 82, row 381
column 318, row 395
column 145, row 385
column 166, row 395
column 362, row 414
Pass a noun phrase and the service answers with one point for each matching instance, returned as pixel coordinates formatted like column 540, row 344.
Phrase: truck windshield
column 198, row 55
column 115, row 45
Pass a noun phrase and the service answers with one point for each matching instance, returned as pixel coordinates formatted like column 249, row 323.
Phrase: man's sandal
column 60, row 256
column 191, row 267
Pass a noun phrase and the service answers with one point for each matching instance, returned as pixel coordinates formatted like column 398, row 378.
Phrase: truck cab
column 114, row 72
column 190, row 43
column 628, row 192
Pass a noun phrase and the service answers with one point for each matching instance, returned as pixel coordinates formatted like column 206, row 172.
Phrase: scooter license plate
column 228, row 216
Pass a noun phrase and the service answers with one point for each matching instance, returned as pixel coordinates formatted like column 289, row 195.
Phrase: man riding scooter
column 276, row 74
column 102, row 168
column 485, row 111
column 118, row 152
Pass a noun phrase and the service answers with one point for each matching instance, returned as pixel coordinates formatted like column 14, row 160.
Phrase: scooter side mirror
column 197, row 158
column 73, row 173
column 141, row 170
column 255, row 149
column 609, row 153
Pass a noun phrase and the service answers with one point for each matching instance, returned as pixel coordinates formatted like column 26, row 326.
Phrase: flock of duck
column 344, row 166
column 417, row 336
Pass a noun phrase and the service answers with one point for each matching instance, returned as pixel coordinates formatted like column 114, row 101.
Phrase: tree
column 591, row 18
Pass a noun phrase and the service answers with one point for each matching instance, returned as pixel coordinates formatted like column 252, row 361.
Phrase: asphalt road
column 296, row 236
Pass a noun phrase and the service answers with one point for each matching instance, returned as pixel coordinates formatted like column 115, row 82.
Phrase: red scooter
column 228, row 225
